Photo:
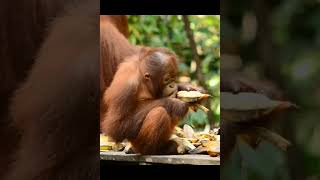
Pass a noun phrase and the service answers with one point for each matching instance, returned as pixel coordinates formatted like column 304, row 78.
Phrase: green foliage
column 196, row 119
column 168, row 31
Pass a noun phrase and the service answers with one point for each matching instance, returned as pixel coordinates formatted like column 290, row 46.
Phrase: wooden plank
column 163, row 159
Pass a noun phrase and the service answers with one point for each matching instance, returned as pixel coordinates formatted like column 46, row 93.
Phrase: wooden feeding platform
column 187, row 159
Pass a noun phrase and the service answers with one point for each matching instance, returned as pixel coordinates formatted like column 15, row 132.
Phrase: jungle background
column 279, row 42
column 196, row 41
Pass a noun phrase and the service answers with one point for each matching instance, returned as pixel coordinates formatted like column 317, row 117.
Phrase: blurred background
column 196, row 41
column 277, row 41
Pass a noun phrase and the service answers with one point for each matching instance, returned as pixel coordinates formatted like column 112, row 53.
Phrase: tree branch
column 194, row 50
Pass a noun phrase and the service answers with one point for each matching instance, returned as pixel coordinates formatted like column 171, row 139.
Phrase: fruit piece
column 118, row 146
column 193, row 140
column 187, row 145
column 179, row 132
column 197, row 144
column 211, row 144
column 188, row 131
column 199, row 150
column 246, row 106
column 207, row 136
column 191, row 96
column 128, row 149
column 250, row 101
column 214, row 151
column 103, row 139
column 203, row 108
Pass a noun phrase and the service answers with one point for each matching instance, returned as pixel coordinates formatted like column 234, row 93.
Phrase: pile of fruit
column 190, row 142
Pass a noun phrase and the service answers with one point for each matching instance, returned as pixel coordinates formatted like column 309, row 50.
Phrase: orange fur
column 135, row 107
column 56, row 106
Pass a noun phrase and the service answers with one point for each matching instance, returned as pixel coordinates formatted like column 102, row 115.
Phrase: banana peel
column 194, row 97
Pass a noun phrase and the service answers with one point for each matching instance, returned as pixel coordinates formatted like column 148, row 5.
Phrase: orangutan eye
column 167, row 79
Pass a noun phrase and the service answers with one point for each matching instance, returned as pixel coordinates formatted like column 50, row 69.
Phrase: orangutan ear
column 147, row 76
